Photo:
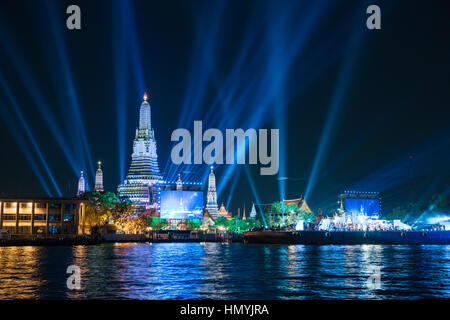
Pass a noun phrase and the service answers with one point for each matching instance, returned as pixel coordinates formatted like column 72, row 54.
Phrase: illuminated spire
column 179, row 183
column 81, row 185
column 144, row 177
column 243, row 216
column 145, row 117
column 99, row 178
column 253, row 212
column 211, row 203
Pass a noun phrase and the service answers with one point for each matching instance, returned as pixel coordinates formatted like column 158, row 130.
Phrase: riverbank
column 48, row 241
column 165, row 237
column 347, row 237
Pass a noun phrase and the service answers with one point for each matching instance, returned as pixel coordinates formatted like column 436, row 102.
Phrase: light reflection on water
column 224, row 271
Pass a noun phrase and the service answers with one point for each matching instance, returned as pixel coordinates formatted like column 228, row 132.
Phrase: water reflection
column 20, row 275
column 224, row 271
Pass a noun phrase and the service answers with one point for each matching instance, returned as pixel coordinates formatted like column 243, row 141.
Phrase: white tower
column 179, row 183
column 99, row 178
column 211, row 204
column 81, row 185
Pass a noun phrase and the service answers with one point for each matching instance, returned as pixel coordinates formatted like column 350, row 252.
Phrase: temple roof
column 300, row 202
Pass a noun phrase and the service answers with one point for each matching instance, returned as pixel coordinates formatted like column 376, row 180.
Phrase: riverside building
column 42, row 216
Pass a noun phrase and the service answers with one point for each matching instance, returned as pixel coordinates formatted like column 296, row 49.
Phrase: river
column 225, row 271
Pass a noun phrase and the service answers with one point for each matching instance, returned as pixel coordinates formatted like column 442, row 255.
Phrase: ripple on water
column 225, row 271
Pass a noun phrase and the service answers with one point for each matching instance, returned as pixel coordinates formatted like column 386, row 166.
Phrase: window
column 52, row 229
column 40, row 205
column 39, row 217
column 55, row 205
column 25, row 229
column 68, row 217
column 69, row 206
column 9, row 217
column 54, row 217
column 10, row 205
column 24, row 205
column 24, row 216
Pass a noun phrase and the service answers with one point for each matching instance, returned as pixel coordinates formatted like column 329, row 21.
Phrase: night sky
column 357, row 109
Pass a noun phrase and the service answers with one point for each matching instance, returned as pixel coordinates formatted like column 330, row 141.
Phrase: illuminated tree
column 193, row 224
column 277, row 221
column 280, row 207
column 106, row 206
column 221, row 222
column 157, row 223
column 307, row 216
column 291, row 219
column 253, row 223
column 99, row 208
column 235, row 225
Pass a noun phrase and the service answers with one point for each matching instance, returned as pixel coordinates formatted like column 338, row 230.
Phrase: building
column 211, row 204
column 142, row 184
column 223, row 212
column 179, row 183
column 300, row 203
column 81, row 185
column 260, row 209
column 42, row 216
column 207, row 221
column 99, row 178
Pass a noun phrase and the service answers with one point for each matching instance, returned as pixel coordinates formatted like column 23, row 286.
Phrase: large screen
column 368, row 207
column 181, row 205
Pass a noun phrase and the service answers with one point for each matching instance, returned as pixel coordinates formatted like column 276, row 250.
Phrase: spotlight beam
column 334, row 111
column 79, row 138
column 24, row 147
column 30, row 136
column 20, row 66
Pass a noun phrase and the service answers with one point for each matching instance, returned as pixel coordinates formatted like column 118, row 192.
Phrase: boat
column 347, row 237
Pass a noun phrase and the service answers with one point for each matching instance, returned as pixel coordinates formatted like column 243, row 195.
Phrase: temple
column 300, row 202
column 223, row 212
column 81, row 185
column 99, row 178
column 142, row 184
column 179, row 183
column 211, row 204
